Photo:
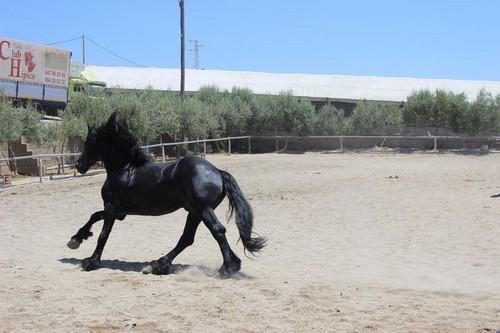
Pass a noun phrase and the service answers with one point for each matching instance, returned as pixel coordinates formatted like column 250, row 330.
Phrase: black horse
column 136, row 186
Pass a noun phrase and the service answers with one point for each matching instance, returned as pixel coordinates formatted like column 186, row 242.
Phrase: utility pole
column 181, row 5
column 196, row 50
column 83, row 49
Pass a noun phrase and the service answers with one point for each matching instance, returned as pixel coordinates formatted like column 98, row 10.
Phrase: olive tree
column 369, row 117
column 419, row 107
column 53, row 136
column 11, row 127
column 331, row 121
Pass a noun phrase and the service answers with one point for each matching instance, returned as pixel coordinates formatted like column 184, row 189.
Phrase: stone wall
column 30, row 166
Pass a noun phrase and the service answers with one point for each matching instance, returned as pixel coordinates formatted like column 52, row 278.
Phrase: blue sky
column 437, row 39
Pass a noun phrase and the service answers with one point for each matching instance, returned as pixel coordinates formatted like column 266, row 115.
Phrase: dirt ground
column 357, row 243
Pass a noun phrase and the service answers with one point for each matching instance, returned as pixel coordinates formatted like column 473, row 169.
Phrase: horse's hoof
column 74, row 244
column 147, row 270
column 156, row 268
column 226, row 272
column 90, row 264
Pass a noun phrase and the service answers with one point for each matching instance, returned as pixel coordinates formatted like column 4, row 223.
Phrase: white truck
column 35, row 74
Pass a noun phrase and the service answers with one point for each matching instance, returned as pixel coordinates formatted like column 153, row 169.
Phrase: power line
column 111, row 52
column 65, row 41
column 83, row 37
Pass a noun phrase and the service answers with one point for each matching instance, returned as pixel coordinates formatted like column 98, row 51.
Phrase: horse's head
column 91, row 153
column 95, row 144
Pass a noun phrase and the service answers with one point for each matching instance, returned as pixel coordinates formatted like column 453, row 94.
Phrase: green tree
column 74, row 127
column 456, row 110
column 331, row 121
column 52, row 135
column 291, row 114
column 94, row 111
column 419, row 108
column 11, row 128
column 161, row 110
column 195, row 120
column 369, row 117
column 210, row 95
column 236, row 111
column 32, row 127
column 264, row 114
column 482, row 114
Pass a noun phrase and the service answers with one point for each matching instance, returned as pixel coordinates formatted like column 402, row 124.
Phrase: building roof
column 336, row 87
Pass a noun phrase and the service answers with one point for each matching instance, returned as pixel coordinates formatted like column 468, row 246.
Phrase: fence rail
column 204, row 141
column 40, row 157
column 342, row 139
column 341, row 144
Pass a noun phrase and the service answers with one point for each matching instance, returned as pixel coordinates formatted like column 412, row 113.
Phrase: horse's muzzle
column 80, row 168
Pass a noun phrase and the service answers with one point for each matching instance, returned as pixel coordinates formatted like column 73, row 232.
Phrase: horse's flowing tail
column 244, row 215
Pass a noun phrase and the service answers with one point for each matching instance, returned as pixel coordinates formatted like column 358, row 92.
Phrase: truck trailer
column 35, row 74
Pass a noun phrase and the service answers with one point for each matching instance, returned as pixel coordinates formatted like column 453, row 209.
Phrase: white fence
column 41, row 157
column 353, row 142
column 341, row 139
column 204, row 141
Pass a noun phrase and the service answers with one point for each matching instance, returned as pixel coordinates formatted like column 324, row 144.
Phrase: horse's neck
column 116, row 162
column 113, row 167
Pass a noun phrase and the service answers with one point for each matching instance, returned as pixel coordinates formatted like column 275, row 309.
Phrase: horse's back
column 161, row 188
column 201, row 181
column 148, row 189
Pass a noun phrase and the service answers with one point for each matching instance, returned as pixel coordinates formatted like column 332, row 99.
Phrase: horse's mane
column 121, row 137
column 137, row 156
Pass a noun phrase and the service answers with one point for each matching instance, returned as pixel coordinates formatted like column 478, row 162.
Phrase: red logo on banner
column 28, row 61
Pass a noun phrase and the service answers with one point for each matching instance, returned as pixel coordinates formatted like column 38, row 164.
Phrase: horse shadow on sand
column 137, row 267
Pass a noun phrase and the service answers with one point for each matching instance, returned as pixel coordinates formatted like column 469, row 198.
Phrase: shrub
column 368, row 117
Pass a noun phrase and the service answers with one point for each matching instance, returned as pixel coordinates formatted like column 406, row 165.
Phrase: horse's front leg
column 84, row 232
column 94, row 262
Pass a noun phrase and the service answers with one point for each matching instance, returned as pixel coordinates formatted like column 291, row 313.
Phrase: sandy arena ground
column 357, row 243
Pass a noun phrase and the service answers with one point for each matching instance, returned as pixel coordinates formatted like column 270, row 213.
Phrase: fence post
column 341, row 144
column 40, row 169
column 163, row 153
column 435, row 143
column 204, row 149
column 249, row 144
column 229, row 145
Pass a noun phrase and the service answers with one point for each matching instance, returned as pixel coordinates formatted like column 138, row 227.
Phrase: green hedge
column 441, row 109
column 215, row 113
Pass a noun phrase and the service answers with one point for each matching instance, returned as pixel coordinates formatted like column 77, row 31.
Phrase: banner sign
column 20, row 61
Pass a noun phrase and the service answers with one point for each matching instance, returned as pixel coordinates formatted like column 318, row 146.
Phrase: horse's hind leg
column 84, row 232
column 162, row 265
column 232, row 263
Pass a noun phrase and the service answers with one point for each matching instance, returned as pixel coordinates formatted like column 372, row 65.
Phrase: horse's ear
column 122, row 125
column 111, row 125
